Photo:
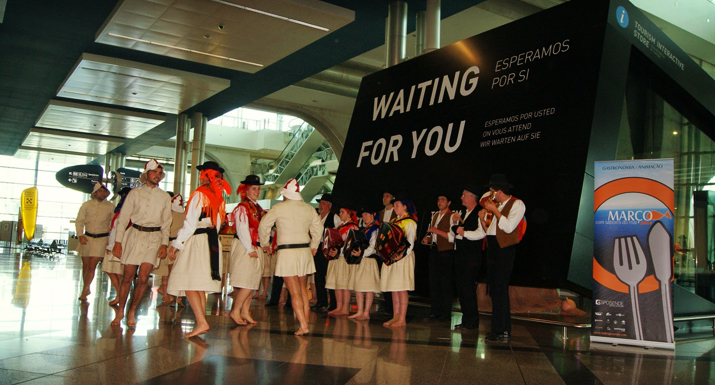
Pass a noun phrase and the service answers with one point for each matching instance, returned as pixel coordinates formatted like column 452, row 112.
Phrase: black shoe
column 464, row 326
column 497, row 336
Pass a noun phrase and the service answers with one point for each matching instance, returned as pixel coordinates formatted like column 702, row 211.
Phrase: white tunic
column 94, row 217
column 148, row 207
column 400, row 276
column 296, row 223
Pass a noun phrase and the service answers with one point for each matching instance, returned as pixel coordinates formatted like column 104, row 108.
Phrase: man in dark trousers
column 330, row 220
column 502, row 233
column 441, row 261
column 467, row 259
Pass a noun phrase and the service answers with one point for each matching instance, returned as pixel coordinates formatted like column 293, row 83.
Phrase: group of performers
column 147, row 219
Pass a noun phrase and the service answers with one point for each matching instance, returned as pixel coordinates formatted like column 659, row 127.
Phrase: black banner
column 516, row 100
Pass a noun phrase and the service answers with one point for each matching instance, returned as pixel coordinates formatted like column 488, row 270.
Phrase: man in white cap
column 142, row 245
column 299, row 230
column 92, row 225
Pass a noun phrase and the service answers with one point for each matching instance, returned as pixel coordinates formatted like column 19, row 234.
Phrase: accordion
column 391, row 243
column 356, row 242
column 331, row 240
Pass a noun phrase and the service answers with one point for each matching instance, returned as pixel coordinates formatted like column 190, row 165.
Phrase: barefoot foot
column 131, row 319
column 302, row 331
column 398, row 324
column 249, row 319
column 118, row 319
column 113, row 302
column 363, row 317
column 238, row 320
column 198, row 330
column 356, row 315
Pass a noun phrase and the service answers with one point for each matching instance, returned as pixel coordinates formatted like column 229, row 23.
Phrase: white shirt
column 507, row 222
column 94, row 217
column 146, row 206
column 191, row 223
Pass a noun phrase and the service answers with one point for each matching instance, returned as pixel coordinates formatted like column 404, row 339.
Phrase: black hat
column 124, row 191
column 252, row 180
column 499, row 182
column 443, row 194
column 210, row 165
column 326, row 197
column 472, row 189
column 347, row 206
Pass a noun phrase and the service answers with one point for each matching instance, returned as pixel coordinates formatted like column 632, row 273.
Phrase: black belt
column 171, row 238
column 293, row 246
column 146, row 229
column 258, row 244
column 96, row 235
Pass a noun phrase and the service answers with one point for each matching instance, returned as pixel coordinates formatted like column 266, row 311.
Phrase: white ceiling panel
column 247, row 34
column 84, row 118
column 122, row 82
column 45, row 141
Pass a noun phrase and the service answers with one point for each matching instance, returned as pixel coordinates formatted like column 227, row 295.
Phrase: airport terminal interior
column 116, row 83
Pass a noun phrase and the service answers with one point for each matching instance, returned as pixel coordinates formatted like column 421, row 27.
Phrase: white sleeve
column 242, row 230
column 193, row 212
column 509, row 222
column 411, row 234
column 371, row 247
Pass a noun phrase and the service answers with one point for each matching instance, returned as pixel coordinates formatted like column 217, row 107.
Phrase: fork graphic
column 630, row 265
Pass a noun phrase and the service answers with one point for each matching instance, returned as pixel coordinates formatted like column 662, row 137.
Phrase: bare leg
column 197, row 300
column 369, row 296
column 116, row 280
column 89, row 265
column 139, row 289
column 395, row 309
column 313, row 294
column 129, row 271
column 162, row 289
column 342, row 308
column 238, row 301
column 265, row 283
column 360, row 299
column 298, row 294
column 403, row 310
column 246, row 311
column 283, row 298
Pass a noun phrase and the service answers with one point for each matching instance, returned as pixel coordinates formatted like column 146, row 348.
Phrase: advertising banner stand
column 633, row 253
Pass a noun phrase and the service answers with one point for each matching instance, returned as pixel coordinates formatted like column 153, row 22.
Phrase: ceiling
column 113, row 75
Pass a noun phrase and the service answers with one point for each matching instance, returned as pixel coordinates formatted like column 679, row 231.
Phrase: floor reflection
column 48, row 337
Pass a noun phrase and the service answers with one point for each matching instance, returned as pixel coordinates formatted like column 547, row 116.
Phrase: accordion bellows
column 391, row 243
column 331, row 240
column 356, row 241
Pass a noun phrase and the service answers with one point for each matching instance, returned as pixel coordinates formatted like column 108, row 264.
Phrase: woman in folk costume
column 366, row 279
column 198, row 268
column 110, row 264
column 339, row 272
column 246, row 261
column 399, row 277
column 298, row 232
column 165, row 265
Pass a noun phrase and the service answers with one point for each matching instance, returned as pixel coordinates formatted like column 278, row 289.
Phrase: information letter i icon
column 622, row 16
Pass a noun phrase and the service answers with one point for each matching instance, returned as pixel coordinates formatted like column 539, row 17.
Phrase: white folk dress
column 192, row 268
column 400, row 276
column 245, row 272
column 148, row 207
column 340, row 272
column 367, row 276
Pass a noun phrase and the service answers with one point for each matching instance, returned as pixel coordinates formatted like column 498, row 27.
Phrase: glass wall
column 57, row 205
column 651, row 127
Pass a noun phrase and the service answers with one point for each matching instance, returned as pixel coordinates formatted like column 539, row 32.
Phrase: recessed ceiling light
column 184, row 49
column 288, row 19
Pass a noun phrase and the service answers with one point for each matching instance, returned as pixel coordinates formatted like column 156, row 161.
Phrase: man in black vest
column 502, row 235
column 467, row 259
column 441, row 261
column 330, row 220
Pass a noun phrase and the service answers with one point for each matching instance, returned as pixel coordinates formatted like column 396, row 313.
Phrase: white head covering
column 177, row 203
column 291, row 190
column 148, row 166
column 97, row 186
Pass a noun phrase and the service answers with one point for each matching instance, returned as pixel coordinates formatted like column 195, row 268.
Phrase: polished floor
column 48, row 337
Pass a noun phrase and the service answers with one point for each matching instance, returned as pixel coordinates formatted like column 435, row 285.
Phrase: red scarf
column 212, row 206
column 346, row 227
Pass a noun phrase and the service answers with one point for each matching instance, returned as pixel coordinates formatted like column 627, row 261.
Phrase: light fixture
column 184, row 49
column 675, row 132
column 288, row 19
